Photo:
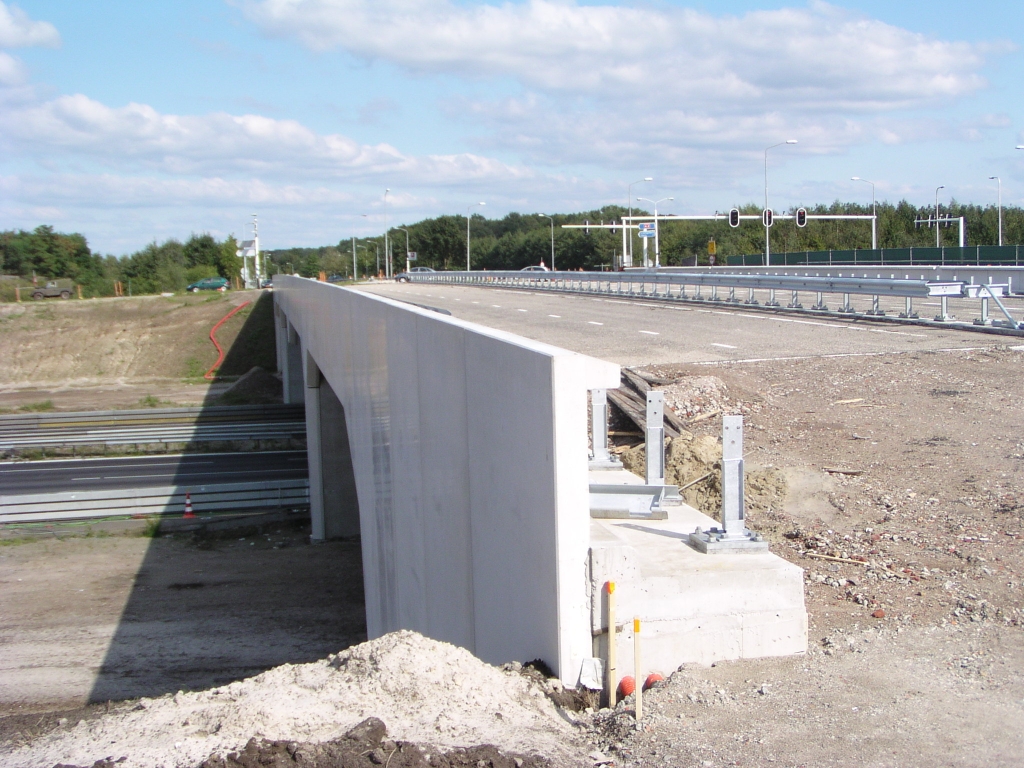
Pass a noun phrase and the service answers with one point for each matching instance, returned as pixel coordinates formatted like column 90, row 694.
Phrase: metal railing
column 167, row 425
column 722, row 288
column 166, row 500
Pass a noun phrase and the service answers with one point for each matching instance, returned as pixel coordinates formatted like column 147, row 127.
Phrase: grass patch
column 194, row 369
column 40, row 407
column 152, row 401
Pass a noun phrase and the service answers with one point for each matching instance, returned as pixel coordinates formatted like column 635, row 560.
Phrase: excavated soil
column 99, row 354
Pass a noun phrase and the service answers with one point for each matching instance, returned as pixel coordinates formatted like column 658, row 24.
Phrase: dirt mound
column 430, row 692
column 257, row 387
column 695, row 465
column 365, row 746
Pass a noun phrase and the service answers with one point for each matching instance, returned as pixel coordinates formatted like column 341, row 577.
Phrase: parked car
column 52, row 290
column 403, row 277
column 208, row 284
column 535, row 268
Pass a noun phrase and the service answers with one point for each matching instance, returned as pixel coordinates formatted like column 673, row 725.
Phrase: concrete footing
column 694, row 607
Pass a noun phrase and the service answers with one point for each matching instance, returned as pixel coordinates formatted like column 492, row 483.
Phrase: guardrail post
column 909, row 310
column 820, row 303
column 655, row 437
column 750, row 297
column 875, row 309
column 771, row 299
column 943, row 316
column 795, row 301
column 733, row 535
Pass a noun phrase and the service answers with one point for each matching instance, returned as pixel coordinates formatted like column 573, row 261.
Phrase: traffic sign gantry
column 646, row 229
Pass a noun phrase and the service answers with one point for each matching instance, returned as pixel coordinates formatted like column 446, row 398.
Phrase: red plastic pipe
column 209, row 375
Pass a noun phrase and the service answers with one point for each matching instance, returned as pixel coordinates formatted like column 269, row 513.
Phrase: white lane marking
column 558, row 316
column 651, row 333
column 496, row 306
column 86, row 478
column 591, row 322
column 476, row 302
column 522, row 310
column 724, row 346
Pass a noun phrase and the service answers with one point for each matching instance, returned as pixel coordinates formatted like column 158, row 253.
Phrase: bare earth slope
column 110, row 353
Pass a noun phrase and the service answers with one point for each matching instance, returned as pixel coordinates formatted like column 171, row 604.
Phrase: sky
column 132, row 122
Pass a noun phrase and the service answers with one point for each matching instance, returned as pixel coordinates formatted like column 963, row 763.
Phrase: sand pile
column 426, row 691
column 695, row 465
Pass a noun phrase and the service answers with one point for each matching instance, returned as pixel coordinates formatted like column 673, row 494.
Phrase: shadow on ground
column 207, row 608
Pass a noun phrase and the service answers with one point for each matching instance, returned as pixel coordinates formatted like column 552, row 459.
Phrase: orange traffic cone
column 188, row 506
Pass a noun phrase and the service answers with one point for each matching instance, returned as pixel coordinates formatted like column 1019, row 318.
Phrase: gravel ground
column 903, row 506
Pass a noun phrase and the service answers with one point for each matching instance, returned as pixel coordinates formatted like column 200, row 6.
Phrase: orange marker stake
column 636, row 671
column 613, row 672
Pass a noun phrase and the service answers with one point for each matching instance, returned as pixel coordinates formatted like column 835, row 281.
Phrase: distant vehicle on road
column 403, row 277
column 535, row 268
column 51, row 291
column 208, row 284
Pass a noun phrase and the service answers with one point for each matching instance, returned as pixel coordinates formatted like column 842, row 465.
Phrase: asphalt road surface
column 638, row 332
column 148, row 471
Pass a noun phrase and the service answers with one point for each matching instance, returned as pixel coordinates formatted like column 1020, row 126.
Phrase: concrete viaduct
column 459, row 455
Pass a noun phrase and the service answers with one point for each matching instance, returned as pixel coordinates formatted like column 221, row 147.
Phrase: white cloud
column 815, row 58
column 221, row 143
column 17, row 30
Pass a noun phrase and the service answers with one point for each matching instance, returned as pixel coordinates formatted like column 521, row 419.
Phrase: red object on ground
column 209, row 375
column 188, row 505
column 879, row 614
column 652, row 678
column 626, row 686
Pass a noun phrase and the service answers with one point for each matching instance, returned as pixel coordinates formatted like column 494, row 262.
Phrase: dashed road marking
column 522, row 310
column 592, row 322
column 724, row 346
column 558, row 316
column 651, row 333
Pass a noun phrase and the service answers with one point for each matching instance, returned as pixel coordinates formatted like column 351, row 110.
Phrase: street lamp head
column 670, row 198
column 992, row 178
column 791, row 141
column 1020, row 146
column 940, row 187
column 648, row 178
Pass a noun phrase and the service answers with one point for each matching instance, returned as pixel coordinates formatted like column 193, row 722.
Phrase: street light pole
column 629, row 227
column 403, row 229
column 874, row 216
column 387, row 249
column 767, row 229
column 468, row 207
column 657, row 239
column 544, row 215
column 999, row 184
column 937, row 214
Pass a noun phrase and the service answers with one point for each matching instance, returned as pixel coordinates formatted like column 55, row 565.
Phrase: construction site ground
column 893, row 479
column 104, row 354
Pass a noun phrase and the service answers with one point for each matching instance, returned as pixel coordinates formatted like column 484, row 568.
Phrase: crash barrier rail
column 976, row 255
column 672, row 286
column 167, row 425
column 165, row 500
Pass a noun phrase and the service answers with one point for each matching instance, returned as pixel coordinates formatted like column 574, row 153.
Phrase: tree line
column 168, row 267
column 518, row 240
column 511, row 242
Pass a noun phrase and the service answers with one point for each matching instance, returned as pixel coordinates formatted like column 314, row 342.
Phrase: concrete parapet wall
column 469, row 453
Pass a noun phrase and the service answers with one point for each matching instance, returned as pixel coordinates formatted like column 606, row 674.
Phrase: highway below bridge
column 637, row 331
column 102, row 474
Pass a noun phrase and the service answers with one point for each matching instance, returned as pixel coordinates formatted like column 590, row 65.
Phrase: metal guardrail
column 47, row 438
column 82, row 505
column 672, row 286
column 188, row 415
column 178, row 425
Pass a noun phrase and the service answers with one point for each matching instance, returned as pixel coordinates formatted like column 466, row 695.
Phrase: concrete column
column 313, row 450
column 280, row 337
column 340, row 500
column 292, row 375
